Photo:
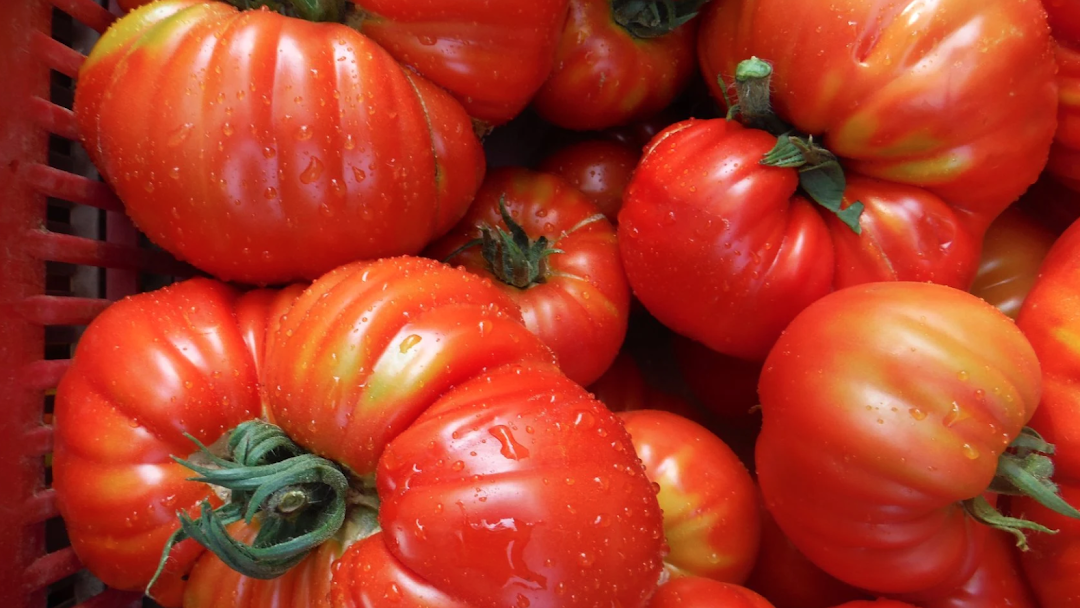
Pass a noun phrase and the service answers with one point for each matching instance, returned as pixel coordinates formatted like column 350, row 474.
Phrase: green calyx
column 653, row 18
column 299, row 499
column 1024, row 469
column 821, row 177
column 511, row 255
column 309, row 10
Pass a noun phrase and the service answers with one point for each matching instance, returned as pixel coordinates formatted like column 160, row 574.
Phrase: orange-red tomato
column 1064, row 162
column 699, row 592
column 1014, row 247
column 712, row 521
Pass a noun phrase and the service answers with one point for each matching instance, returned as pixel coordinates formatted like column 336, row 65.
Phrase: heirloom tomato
column 712, row 521
column 1050, row 318
column 491, row 56
column 263, row 148
column 416, row 422
column 601, row 169
column 1065, row 155
column 700, row 592
column 619, row 61
column 147, row 371
column 888, row 409
column 1013, row 248
column 554, row 253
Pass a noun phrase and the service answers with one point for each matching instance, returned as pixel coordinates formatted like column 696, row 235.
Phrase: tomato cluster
column 583, row 303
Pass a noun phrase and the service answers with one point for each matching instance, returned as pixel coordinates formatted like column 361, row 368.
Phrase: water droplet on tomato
column 350, row 142
column 485, row 327
column 313, row 171
column 522, row 601
column 426, row 40
column 270, row 193
column 227, row 129
column 510, row 447
column 409, row 342
column 917, row 414
column 269, row 152
column 393, row 593
column 970, row 452
column 359, row 174
column 962, row 376
column 955, row 415
column 304, row 133
column 174, row 173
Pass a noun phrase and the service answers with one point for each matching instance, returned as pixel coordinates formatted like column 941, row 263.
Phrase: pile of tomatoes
column 586, row 303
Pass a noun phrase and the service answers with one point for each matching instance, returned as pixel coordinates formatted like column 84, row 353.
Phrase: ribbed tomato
column 601, row 169
column 1065, row 155
column 700, row 592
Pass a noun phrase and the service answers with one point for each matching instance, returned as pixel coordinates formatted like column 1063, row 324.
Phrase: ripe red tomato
column 1014, row 247
column 492, row 57
column 149, row 369
column 1050, row 318
column 727, row 386
column 712, row 519
column 700, row 592
column 1065, row 155
column 271, row 148
column 601, row 169
column 617, row 63
column 876, row 82
column 721, row 249
column 576, row 298
column 867, row 472
column 786, row 578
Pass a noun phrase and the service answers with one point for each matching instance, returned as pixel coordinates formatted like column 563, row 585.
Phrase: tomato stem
column 299, row 498
column 512, row 256
column 653, row 18
column 309, row 10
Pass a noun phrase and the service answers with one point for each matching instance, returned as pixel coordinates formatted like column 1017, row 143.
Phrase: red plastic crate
column 66, row 251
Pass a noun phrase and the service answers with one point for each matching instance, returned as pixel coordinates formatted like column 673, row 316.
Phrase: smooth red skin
column 712, row 520
column 862, row 469
column 601, row 169
column 721, row 249
column 726, row 385
column 1014, row 247
column 700, row 592
column 149, row 369
column 1064, row 17
column 369, row 576
column 263, row 167
column 307, row 585
column 545, row 501
column 997, row 583
column 786, row 578
column 958, row 97
column 605, row 76
column 1064, row 163
column 1050, row 318
column 582, row 308
column 491, row 56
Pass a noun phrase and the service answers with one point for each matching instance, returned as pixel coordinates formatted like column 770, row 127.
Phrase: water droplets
column 313, row 171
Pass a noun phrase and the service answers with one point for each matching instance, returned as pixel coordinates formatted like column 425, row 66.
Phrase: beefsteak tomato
column 997, row 583
column 263, row 148
column 878, row 479
column 1065, row 155
column 555, row 254
column 700, row 592
column 619, row 61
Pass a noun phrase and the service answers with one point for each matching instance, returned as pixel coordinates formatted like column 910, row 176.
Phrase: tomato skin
column 874, row 82
column 1014, row 247
column 581, row 309
column 722, row 250
column 1064, row 163
column 712, row 520
column 605, row 76
column 149, row 369
column 492, row 57
column 786, row 578
column 863, row 472
column 700, row 592
column 369, row 576
column 1064, row 19
column 601, row 169
column 309, row 150
column 727, row 386
column 1050, row 318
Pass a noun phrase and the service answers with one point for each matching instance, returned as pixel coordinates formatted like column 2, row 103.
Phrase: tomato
column 564, row 271
column 1014, row 246
column 149, row 369
column 876, row 82
column 271, row 148
column 616, row 63
column 1064, row 163
column 727, row 386
column 711, row 514
column 1050, row 318
column 998, row 581
column 492, row 57
column 700, row 592
column 601, row 169
column 721, row 249
column 871, row 475
column 786, row 578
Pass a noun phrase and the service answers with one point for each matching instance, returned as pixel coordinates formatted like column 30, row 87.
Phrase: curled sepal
column 1025, row 469
column 308, row 10
column 985, row 513
column 654, row 18
column 820, row 175
column 299, row 500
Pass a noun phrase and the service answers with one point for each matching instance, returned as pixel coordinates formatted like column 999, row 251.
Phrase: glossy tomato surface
column 150, row 369
column 863, row 469
column 712, row 521
column 997, row 583
column 919, row 94
column 1013, row 248
column 605, row 75
column 601, row 169
column 579, row 302
column 491, row 56
column 699, row 592
column 1050, row 319
column 261, row 165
